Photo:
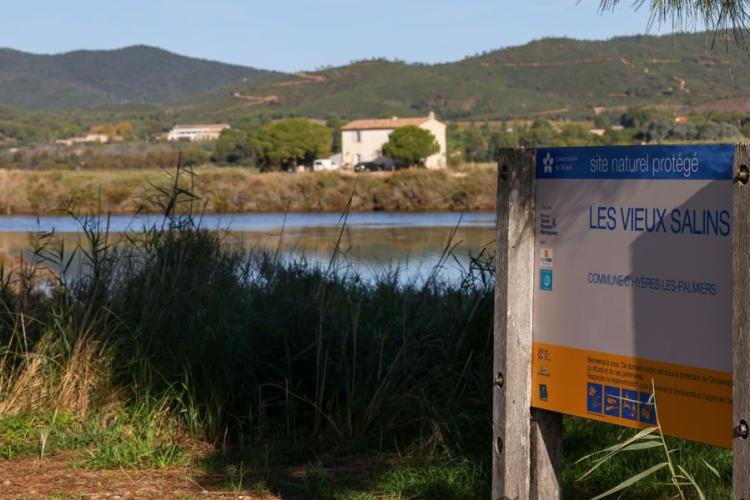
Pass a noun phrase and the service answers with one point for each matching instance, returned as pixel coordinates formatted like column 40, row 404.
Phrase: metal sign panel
column 633, row 287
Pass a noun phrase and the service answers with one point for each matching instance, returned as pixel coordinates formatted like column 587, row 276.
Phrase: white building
column 363, row 140
column 196, row 132
column 86, row 139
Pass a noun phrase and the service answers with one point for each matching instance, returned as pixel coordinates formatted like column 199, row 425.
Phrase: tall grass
column 247, row 349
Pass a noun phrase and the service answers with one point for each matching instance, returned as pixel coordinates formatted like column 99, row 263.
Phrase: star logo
column 548, row 161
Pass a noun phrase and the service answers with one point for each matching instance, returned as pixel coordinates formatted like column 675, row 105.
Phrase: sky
column 292, row 35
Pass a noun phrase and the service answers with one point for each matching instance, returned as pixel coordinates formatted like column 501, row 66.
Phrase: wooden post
column 527, row 453
column 546, row 454
column 741, row 322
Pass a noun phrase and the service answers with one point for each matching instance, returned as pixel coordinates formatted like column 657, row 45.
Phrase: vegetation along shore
column 234, row 189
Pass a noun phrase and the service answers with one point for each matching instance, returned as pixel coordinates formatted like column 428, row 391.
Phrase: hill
column 89, row 78
column 555, row 77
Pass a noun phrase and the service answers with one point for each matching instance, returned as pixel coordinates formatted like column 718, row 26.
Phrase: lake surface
column 371, row 243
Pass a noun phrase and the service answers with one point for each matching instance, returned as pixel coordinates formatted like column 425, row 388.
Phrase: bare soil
column 55, row 477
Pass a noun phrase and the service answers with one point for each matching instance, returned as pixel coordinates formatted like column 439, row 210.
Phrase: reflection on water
column 370, row 242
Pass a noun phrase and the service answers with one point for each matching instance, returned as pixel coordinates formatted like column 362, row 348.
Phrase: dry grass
column 52, row 363
column 231, row 189
column 49, row 379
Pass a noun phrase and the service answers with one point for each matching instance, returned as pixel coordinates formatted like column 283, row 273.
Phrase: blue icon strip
column 614, row 401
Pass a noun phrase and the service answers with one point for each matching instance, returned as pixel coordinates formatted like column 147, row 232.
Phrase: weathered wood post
column 527, row 444
column 741, row 322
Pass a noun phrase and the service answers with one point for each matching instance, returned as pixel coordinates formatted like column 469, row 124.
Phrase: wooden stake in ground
column 741, row 322
column 527, row 445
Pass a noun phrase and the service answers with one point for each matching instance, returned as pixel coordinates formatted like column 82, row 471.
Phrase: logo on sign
column 548, row 224
column 545, row 258
column 545, row 280
column 543, row 394
column 548, row 162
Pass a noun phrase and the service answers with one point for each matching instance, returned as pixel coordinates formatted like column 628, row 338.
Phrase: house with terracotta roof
column 363, row 140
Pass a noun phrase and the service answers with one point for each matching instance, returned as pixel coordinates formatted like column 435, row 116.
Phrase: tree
column 477, row 144
column 334, row 123
column 104, row 129
column 502, row 139
column 637, row 117
column 195, row 155
column 657, row 129
column 573, row 134
column 720, row 16
column 602, row 121
column 410, row 145
column 125, row 130
column 291, row 142
column 541, row 133
column 232, row 146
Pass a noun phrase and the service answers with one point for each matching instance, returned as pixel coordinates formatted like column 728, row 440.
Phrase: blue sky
column 304, row 34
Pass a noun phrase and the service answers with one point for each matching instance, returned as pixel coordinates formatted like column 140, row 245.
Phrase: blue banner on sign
column 685, row 162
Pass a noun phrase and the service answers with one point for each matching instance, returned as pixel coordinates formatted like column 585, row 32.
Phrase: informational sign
column 633, row 287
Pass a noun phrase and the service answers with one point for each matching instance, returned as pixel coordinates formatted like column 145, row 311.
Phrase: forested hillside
column 551, row 77
column 88, row 78
column 556, row 78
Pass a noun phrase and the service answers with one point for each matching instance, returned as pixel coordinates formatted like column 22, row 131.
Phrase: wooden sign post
column 741, row 323
column 527, row 442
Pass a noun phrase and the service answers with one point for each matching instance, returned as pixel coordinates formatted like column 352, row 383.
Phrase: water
column 371, row 243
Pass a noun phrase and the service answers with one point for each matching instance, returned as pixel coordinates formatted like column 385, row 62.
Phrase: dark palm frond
column 723, row 17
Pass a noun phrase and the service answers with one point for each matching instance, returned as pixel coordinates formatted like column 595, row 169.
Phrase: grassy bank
column 232, row 189
column 301, row 380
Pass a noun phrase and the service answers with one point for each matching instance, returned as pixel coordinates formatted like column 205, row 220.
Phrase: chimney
column 394, row 118
column 431, row 116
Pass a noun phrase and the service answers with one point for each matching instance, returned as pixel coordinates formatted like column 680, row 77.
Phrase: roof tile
column 387, row 123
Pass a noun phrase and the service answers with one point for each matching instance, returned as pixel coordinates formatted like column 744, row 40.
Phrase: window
column 358, row 136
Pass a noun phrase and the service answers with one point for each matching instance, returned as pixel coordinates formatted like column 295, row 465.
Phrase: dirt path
column 256, row 99
column 304, row 79
column 249, row 101
column 54, row 477
column 683, row 85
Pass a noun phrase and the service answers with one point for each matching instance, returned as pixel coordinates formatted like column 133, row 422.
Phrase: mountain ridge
column 84, row 79
column 555, row 76
column 558, row 77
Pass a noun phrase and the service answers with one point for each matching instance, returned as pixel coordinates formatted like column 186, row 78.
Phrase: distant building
column 196, row 132
column 599, row 110
column 86, row 139
column 363, row 140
